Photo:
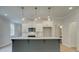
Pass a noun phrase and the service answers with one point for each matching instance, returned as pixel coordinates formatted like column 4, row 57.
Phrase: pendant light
column 36, row 14
column 49, row 16
column 22, row 13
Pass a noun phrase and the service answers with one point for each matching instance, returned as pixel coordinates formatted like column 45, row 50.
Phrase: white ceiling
column 15, row 13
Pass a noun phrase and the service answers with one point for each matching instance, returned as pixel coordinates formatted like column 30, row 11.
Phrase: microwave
column 31, row 29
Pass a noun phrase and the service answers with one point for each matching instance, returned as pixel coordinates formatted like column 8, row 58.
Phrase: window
column 12, row 30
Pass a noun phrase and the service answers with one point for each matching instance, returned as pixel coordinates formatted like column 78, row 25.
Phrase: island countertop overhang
column 33, row 38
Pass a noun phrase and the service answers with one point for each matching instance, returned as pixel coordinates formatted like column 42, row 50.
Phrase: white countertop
column 21, row 38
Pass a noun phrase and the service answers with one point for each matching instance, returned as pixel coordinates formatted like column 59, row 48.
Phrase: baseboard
column 73, row 46
column 67, row 45
column 5, row 44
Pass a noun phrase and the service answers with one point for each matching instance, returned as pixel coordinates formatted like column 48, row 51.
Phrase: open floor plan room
column 39, row 28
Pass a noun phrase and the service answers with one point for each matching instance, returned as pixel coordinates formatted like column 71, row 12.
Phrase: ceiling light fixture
column 49, row 18
column 60, row 26
column 39, row 18
column 23, row 19
column 70, row 8
column 35, row 19
column 22, row 13
column 35, row 14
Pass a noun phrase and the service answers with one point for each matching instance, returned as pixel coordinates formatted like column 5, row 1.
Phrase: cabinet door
column 35, row 45
column 20, row 46
column 51, row 45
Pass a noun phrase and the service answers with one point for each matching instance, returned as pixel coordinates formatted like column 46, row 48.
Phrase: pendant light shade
column 22, row 8
column 35, row 16
column 49, row 16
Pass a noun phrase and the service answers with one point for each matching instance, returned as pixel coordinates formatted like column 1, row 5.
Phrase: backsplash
column 37, row 29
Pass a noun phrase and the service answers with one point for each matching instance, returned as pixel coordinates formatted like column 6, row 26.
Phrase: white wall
column 70, row 29
column 78, row 37
column 4, row 31
column 18, row 29
column 58, row 20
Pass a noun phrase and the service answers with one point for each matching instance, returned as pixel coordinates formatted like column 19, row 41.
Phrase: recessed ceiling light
column 70, row 8
column 5, row 14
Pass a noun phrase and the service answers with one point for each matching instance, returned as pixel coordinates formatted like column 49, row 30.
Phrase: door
column 73, row 33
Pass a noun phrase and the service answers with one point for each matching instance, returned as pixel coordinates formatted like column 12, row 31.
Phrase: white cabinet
column 39, row 28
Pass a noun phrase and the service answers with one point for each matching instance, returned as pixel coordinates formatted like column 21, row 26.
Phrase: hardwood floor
column 66, row 49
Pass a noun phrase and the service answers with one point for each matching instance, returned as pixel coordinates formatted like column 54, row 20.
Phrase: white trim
column 73, row 46
column 67, row 45
column 5, row 45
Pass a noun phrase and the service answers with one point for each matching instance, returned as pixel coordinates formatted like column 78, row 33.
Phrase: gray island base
column 36, row 45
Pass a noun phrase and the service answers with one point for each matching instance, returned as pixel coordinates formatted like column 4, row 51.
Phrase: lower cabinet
column 41, row 45
column 51, row 46
column 20, row 46
column 35, row 45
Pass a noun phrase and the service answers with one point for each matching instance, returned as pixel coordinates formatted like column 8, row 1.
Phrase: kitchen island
column 29, row 44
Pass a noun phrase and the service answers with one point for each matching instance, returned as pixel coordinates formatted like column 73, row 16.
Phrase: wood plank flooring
column 66, row 49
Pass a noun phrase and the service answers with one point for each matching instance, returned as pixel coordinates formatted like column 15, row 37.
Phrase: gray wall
column 4, row 31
